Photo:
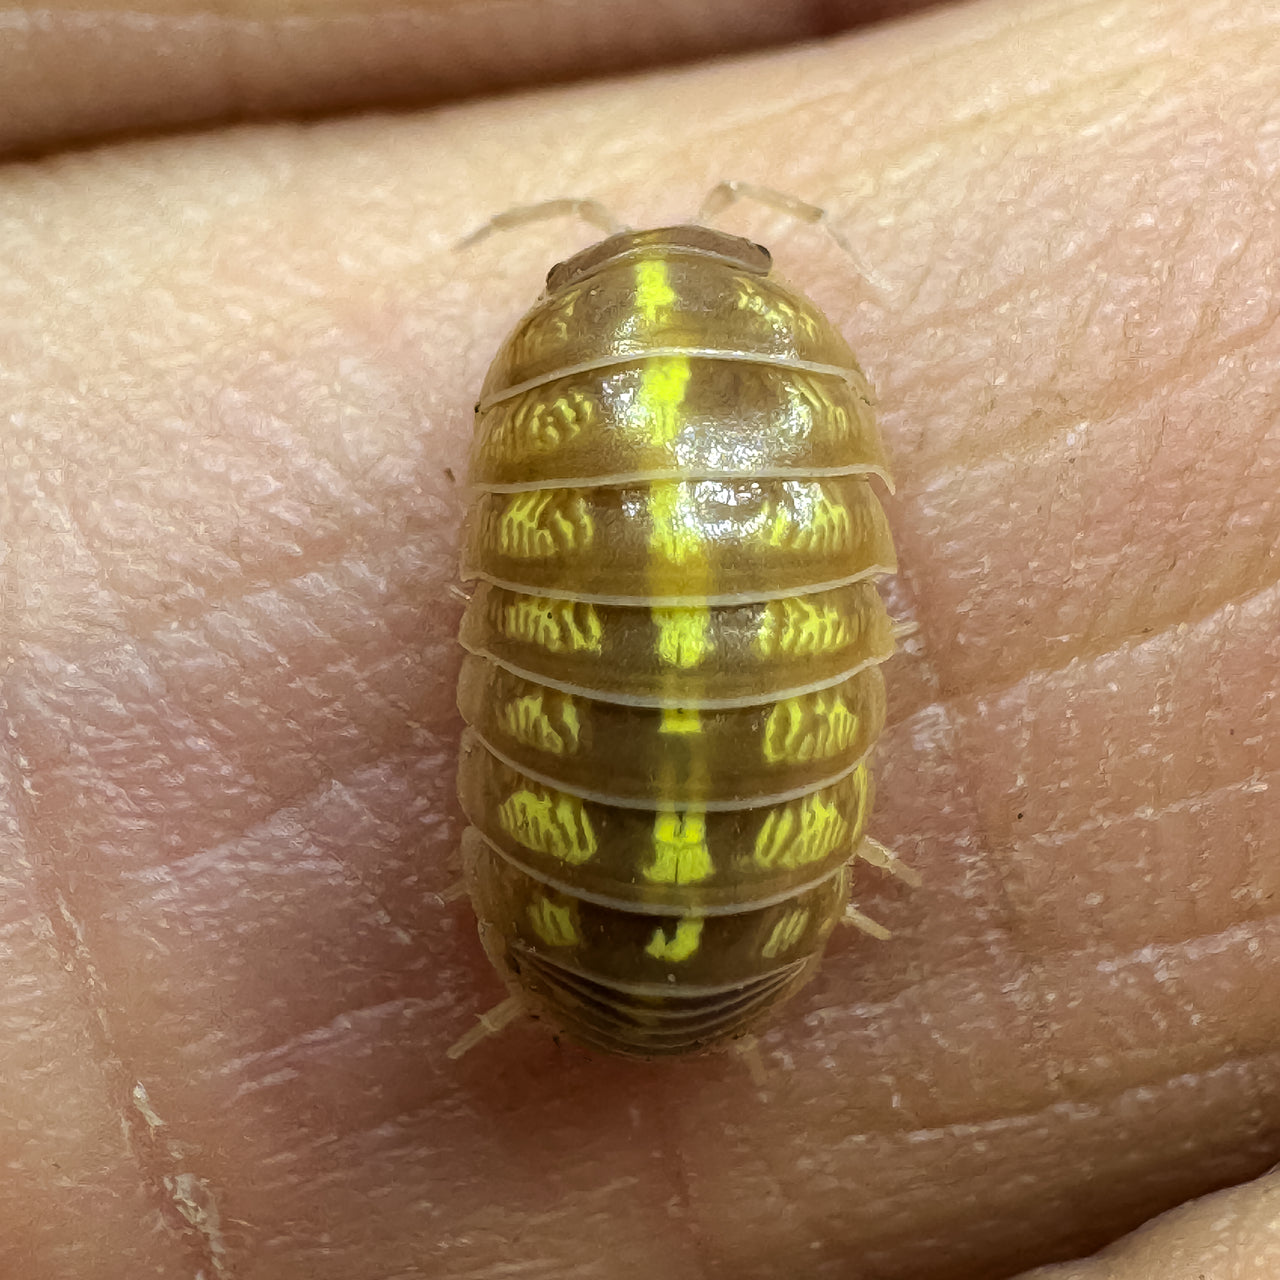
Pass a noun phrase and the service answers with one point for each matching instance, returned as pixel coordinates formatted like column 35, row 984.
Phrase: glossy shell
column 672, row 679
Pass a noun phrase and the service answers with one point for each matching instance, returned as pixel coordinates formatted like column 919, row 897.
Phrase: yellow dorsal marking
column 859, row 783
column 678, row 946
column 538, row 426
column 553, row 924
column 543, row 523
column 546, row 333
column 551, row 726
column 797, row 628
column 680, row 853
column 678, row 566
column 654, row 294
column 658, row 411
column 800, row 833
column 785, row 933
column 684, row 636
column 678, row 538
column 806, row 518
column 555, row 625
column 828, row 528
column 779, row 527
column 550, row 823
column 658, row 408
column 681, row 720
column 813, row 727
column 824, row 415
column 780, row 314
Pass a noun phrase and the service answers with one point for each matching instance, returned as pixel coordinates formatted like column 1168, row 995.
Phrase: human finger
column 241, row 370
column 1234, row 1233
column 71, row 73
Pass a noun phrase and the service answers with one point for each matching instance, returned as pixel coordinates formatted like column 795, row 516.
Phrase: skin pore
column 238, row 369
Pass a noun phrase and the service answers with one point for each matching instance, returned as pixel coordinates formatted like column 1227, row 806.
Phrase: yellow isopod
column 672, row 676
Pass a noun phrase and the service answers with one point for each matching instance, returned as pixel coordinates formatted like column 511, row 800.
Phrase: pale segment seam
column 753, row 597
column 854, row 377
column 656, row 702
column 472, row 735
column 693, row 475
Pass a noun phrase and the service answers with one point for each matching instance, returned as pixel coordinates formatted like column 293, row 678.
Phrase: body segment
column 672, row 677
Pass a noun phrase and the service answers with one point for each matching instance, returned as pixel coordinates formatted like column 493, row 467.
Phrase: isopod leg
column 852, row 916
column 721, row 196
column 748, row 1049
column 591, row 211
column 878, row 855
column 490, row 1023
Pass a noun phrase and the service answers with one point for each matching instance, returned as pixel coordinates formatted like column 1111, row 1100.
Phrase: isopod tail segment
column 716, row 201
column 496, row 1020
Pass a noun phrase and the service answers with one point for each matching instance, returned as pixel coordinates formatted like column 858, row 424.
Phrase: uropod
column 671, row 681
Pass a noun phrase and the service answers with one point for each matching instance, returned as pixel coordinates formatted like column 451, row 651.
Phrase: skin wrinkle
column 398, row 917
column 1004, row 913
column 54, row 888
column 1045, row 841
column 1110, row 401
column 872, row 1185
column 1227, row 1236
column 969, row 49
column 209, row 604
column 986, row 304
column 1129, row 644
column 1161, row 624
column 958, row 127
column 1054, row 836
column 1190, row 945
column 397, row 53
column 1072, row 1087
column 976, row 1124
column 1121, row 642
column 287, row 809
column 340, row 1022
column 931, row 147
column 282, row 806
column 682, row 1206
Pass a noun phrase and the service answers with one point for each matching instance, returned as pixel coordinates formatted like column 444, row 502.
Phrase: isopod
column 671, row 680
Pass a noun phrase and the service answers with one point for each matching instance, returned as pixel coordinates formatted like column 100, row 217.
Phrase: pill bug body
column 671, row 681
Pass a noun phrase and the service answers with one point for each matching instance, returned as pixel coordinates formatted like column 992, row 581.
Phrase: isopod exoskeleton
column 672, row 675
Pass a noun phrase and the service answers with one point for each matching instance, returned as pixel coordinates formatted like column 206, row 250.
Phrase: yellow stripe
column 680, row 853
column 553, row 924
column 678, row 946
column 658, row 405
column 654, row 294
column 677, row 566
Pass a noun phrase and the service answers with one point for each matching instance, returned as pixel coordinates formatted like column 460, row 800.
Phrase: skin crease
column 73, row 72
column 238, row 371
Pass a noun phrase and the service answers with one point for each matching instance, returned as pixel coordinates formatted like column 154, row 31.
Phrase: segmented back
column 672, row 677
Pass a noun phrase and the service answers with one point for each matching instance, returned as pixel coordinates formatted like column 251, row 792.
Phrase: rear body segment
column 672, row 679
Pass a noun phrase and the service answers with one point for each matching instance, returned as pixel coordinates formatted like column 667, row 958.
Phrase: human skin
column 74, row 72
column 238, row 371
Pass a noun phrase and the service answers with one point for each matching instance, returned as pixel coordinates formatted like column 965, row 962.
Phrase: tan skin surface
column 237, row 373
